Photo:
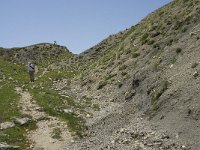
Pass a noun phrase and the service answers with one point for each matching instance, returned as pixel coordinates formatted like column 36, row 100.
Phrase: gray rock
column 6, row 125
column 129, row 95
column 68, row 111
column 162, row 117
column 194, row 65
column 38, row 109
column 22, row 121
column 4, row 146
column 88, row 116
column 195, row 74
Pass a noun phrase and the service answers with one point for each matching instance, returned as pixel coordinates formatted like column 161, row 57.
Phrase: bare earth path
column 41, row 138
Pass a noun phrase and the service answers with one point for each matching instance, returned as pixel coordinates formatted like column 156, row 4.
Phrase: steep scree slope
column 154, row 67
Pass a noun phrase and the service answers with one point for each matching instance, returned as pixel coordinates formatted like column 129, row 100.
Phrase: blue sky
column 76, row 24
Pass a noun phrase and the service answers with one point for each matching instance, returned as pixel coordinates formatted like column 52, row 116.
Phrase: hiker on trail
column 31, row 71
column 54, row 43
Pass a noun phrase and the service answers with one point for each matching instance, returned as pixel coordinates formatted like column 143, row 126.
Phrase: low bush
column 178, row 50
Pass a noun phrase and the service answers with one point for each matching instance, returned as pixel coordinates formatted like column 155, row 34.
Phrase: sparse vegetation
column 96, row 107
column 56, row 134
column 136, row 54
column 155, row 66
column 52, row 102
column 101, row 84
column 173, row 61
column 163, row 87
column 156, row 45
column 144, row 38
column 178, row 50
column 150, row 42
column 184, row 29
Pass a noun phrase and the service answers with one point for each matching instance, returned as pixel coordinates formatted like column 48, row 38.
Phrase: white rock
column 113, row 142
column 72, row 141
column 195, row 74
column 68, row 110
column 88, row 116
column 6, row 125
column 122, row 130
column 22, row 121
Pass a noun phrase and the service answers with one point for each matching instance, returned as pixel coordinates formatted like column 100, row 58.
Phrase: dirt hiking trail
column 41, row 138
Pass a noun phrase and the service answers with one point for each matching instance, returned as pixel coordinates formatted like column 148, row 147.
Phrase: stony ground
column 118, row 126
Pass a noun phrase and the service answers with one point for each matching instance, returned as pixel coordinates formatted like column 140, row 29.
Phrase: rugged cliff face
column 138, row 89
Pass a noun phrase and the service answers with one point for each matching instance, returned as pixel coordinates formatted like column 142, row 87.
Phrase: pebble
column 88, row 116
column 195, row 74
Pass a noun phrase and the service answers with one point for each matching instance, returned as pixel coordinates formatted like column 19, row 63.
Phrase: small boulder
column 194, row 65
column 22, row 121
column 129, row 95
column 4, row 146
column 6, row 125
column 68, row 111
column 195, row 74
column 88, row 116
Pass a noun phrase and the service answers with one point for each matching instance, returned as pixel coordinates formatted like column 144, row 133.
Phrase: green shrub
column 156, row 46
column 178, row 50
column 144, row 38
column 96, row 107
column 184, row 29
column 145, row 41
column 164, row 85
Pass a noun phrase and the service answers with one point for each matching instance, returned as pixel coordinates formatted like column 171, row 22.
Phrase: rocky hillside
column 151, row 71
column 136, row 90
column 39, row 53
